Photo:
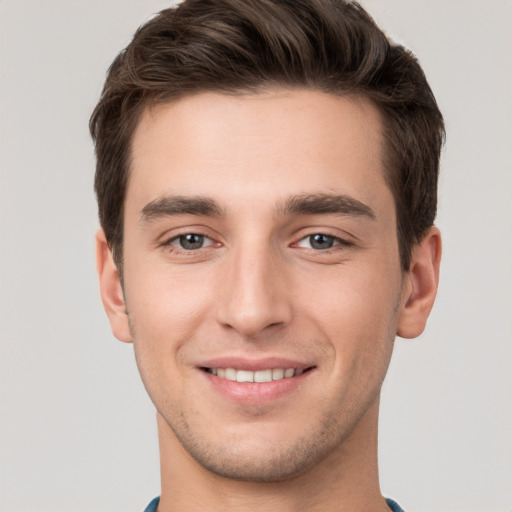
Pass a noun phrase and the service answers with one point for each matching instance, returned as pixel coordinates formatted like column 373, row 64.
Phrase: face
column 261, row 275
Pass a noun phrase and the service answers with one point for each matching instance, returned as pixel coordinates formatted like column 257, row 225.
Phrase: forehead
column 278, row 141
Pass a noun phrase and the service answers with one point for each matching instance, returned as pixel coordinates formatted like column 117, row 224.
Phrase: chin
column 263, row 460
column 269, row 467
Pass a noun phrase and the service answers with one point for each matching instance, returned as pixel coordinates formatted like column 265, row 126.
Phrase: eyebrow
column 306, row 204
column 325, row 204
column 180, row 205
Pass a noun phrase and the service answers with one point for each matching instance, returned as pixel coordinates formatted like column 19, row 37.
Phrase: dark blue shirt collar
column 393, row 505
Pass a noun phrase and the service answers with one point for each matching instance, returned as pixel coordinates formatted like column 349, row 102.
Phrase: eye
column 191, row 241
column 319, row 241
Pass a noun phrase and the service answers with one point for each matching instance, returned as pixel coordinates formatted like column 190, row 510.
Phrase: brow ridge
column 324, row 204
column 304, row 204
column 180, row 205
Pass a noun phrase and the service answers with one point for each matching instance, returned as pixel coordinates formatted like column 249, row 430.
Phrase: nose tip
column 255, row 297
column 250, row 323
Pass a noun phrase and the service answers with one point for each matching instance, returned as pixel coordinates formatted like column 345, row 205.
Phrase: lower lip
column 254, row 393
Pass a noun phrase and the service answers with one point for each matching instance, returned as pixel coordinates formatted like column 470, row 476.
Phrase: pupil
column 321, row 241
column 191, row 241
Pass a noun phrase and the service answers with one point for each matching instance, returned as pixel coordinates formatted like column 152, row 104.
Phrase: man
column 266, row 179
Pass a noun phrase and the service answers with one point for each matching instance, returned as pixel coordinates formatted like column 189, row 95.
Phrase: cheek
column 165, row 309
column 164, row 316
column 359, row 323
column 160, row 289
column 357, row 312
column 354, row 296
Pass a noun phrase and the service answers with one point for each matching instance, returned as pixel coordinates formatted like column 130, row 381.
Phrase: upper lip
column 243, row 363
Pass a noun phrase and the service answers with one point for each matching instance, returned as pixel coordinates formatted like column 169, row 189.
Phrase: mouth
column 256, row 382
column 258, row 376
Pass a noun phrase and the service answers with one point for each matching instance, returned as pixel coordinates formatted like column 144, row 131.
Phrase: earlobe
column 111, row 290
column 420, row 285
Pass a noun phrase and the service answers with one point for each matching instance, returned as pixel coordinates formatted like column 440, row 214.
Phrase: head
column 266, row 182
column 239, row 47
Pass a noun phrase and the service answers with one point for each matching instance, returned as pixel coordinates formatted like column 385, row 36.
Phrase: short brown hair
column 236, row 46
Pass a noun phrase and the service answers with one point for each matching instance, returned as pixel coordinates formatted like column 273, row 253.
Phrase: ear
column 111, row 290
column 420, row 285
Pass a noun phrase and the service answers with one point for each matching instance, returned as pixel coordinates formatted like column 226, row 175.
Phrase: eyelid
column 171, row 233
column 336, row 239
column 341, row 236
column 171, row 241
column 308, row 238
column 168, row 241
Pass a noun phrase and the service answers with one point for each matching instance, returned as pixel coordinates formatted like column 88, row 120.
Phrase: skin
column 233, row 169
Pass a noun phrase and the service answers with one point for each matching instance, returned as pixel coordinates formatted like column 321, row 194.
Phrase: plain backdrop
column 77, row 430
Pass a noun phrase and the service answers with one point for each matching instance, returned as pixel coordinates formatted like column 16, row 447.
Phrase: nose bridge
column 255, row 293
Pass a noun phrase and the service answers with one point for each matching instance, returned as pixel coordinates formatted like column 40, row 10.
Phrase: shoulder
column 394, row 506
column 152, row 506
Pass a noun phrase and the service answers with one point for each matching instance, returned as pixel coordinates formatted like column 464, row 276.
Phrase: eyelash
column 169, row 244
column 338, row 243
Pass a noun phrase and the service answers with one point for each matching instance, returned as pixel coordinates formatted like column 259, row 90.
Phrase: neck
column 346, row 480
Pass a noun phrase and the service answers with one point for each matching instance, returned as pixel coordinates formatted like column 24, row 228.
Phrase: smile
column 258, row 376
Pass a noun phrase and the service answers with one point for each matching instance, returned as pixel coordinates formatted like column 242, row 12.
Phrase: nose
column 255, row 296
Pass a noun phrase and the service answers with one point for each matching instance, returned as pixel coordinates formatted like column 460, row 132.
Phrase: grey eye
column 320, row 241
column 191, row 241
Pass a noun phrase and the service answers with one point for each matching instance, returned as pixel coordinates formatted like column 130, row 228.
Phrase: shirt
column 393, row 505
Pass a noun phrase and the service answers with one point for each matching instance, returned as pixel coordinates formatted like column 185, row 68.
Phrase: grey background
column 77, row 430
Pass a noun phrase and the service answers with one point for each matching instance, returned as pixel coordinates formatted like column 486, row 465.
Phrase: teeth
column 244, row 376
column 277, row 374
column 257, row 376
column 263, row 376
column 230, row 374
